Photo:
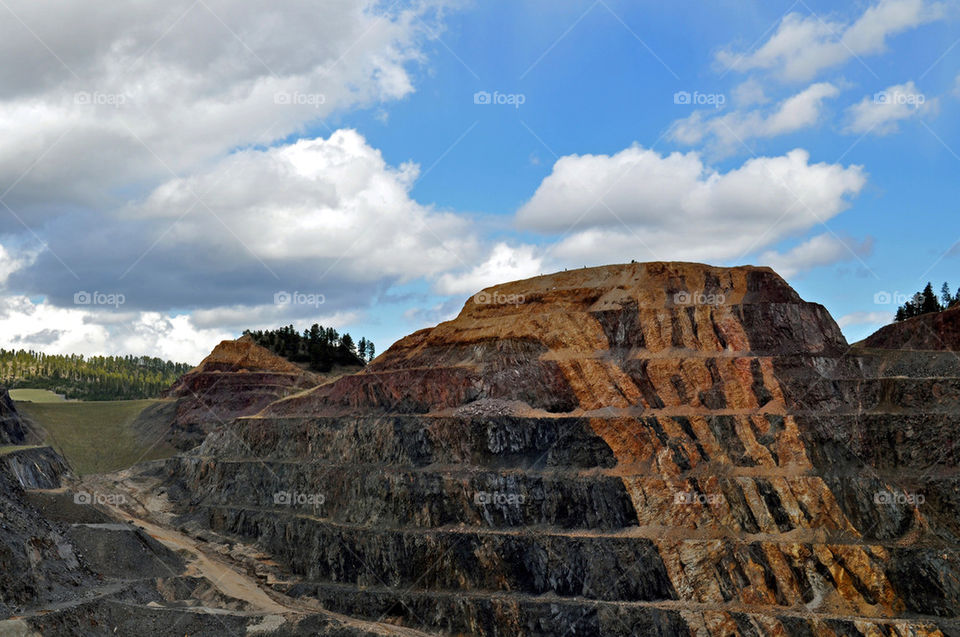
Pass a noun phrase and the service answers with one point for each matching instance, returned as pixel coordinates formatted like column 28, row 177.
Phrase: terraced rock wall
column 238, row 378
column 665, row 449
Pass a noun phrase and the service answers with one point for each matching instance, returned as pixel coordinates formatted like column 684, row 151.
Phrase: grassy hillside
column 96, row 437
column 36, row 396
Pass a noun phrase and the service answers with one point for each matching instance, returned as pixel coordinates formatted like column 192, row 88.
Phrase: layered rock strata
column 238, row 378
column 13, row 430
column 660, row 448
column 934, row 331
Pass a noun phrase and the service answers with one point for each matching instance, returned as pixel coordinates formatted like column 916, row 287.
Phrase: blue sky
column 339, row 151
column 597, row 89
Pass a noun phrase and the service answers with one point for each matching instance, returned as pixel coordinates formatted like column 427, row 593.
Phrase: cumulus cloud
column 11, row 262
column 143, row 147
column 749, row 93
column 61, row 330
column 881, row 112
column 804, row 45
column 325, row 216
column 727, row 133
column 505, row 263
column 821, row 250
column 29, row 324
column 102, row 97
column 640, row 204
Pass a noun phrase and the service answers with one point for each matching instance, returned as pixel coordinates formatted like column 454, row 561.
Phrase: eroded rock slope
column 238, row 378
column 644, row 449
column 13, row 430
column 935, row 331
column 77, row 559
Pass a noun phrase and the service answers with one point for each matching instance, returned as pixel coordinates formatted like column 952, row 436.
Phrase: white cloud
column 749, row 93
column 149, row 88
column 505, row 263
column 799, row 111
column 183, row 338
column 144, row 160
column 10, row 263
column 61, row 330
column 880, row 113
column 318, row 216
column 821, row 250
column 729, row 132
column 237, row 318
column 640, row 204
column 333, row 198
column 864, row 318
column 803, row 45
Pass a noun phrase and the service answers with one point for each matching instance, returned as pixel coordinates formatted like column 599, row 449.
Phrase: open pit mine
column 657, row 449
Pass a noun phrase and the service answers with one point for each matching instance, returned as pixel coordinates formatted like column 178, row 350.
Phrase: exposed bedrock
column 238, row 378
column 13, row 430
column 935, row 331
column 660, row 448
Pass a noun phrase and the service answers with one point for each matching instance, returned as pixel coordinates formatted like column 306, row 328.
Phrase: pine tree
column 929, row 302
column 94, row 378
column 320, row 347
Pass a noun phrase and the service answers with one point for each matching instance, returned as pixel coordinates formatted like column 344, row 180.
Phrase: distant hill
column 89, row 378
column 930, row 331
column 238, row 378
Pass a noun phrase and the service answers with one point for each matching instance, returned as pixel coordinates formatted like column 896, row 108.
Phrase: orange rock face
column 767, row 489
column 243, row 355
column 238, row 378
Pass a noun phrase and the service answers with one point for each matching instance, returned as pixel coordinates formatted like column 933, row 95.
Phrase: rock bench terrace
column 689, row 449
column 643, row 449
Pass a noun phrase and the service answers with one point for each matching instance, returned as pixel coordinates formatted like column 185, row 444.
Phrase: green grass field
column 36, row 396
column 95, row 437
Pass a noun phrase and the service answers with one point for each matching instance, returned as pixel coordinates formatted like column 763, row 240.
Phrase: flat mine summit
column 643, row 449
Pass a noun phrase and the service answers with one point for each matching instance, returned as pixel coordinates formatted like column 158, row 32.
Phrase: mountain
column 238, row 378
column 659, row 448
column 646, row 449
column 934, row 331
